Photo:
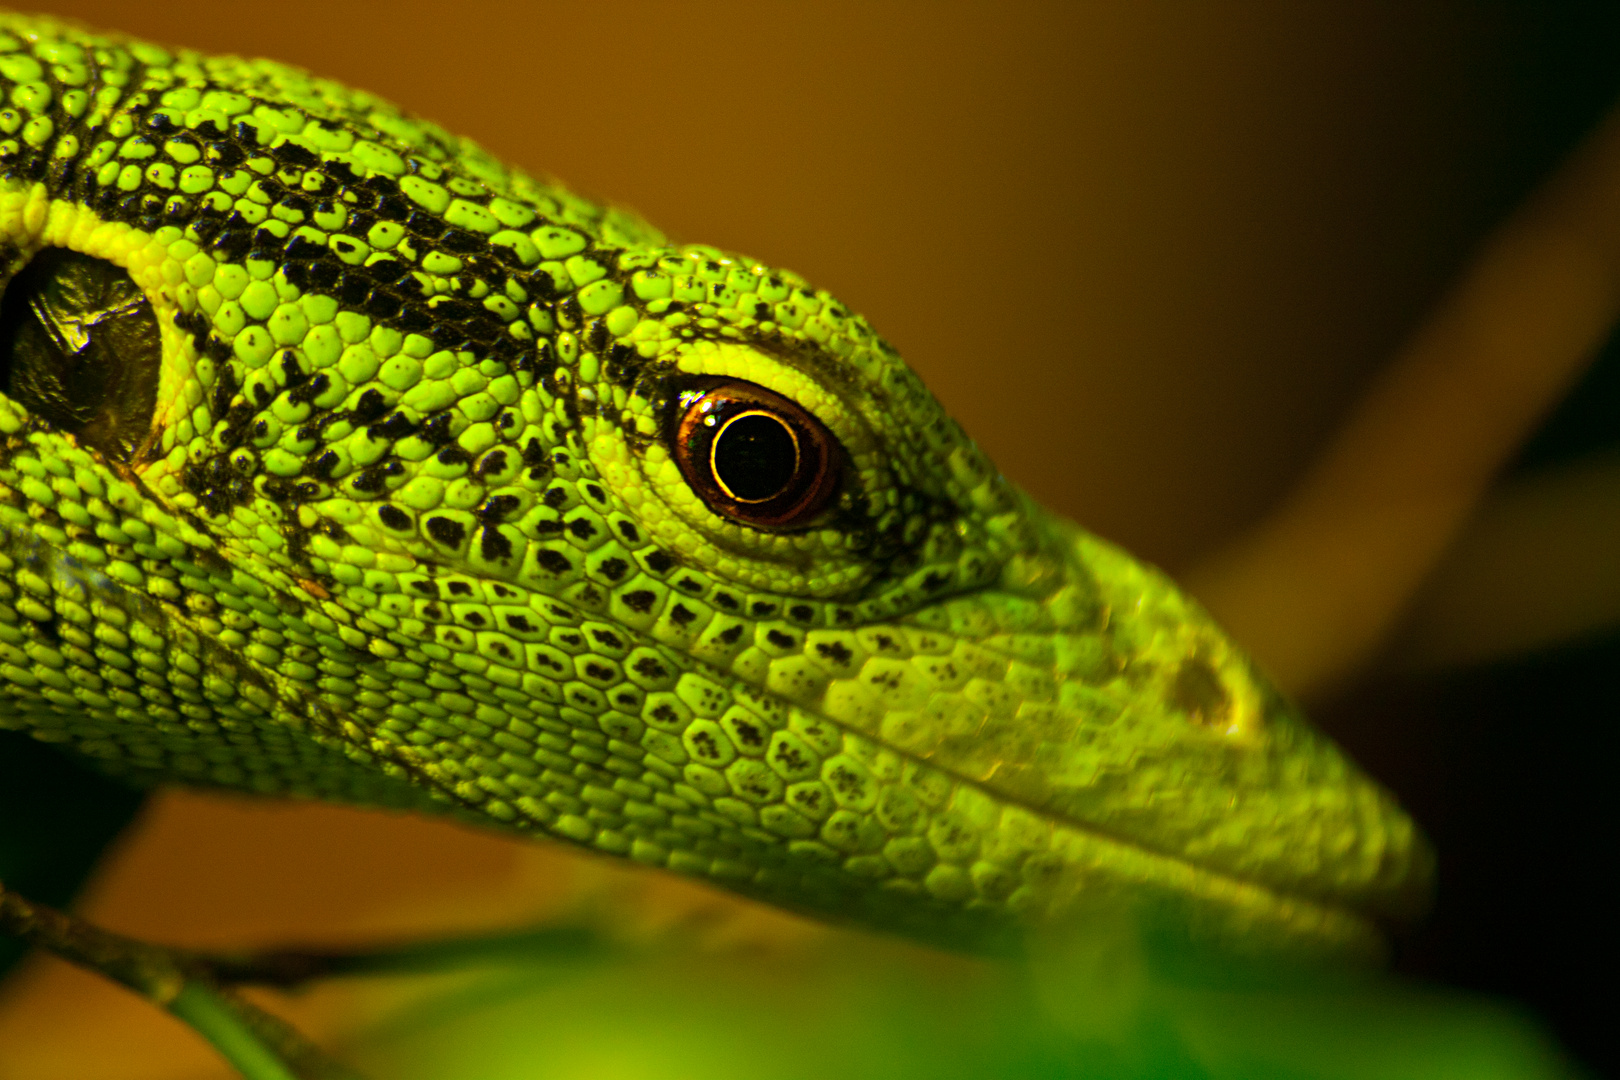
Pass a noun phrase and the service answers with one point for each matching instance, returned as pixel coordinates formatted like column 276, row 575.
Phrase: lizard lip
column 1278, row 809
column 1109, row 707
column 1305, row 910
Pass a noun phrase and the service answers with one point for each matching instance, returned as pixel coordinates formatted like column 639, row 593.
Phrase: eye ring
column 755, row 456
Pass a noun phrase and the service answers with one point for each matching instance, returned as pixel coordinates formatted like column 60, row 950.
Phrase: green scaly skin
column 406, row 531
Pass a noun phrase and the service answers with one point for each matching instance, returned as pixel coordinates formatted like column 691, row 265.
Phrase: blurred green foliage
column 1100, row 1004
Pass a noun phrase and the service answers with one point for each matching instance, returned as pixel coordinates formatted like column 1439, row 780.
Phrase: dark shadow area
column 1510, row 768
column 56, row 818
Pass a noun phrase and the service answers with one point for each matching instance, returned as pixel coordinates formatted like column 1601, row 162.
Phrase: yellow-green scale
column 408, row 529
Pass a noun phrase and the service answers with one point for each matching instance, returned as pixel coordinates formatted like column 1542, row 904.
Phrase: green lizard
column 340, row 460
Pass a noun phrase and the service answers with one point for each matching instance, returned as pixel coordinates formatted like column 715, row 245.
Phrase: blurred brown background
column 1147, row 253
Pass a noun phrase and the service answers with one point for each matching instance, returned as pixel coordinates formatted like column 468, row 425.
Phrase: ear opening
column 81, row 351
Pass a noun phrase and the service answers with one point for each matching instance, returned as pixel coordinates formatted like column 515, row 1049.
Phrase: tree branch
column 1318, row 584
column 258, row 1045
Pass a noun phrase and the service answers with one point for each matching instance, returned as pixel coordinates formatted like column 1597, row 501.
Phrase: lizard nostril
column 1198, row 691
column 80, row 349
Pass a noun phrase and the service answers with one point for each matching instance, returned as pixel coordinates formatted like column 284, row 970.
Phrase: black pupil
column 755, row 457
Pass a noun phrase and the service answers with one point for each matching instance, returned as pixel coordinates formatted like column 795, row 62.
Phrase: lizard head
column 851, row 553
column 340, row 460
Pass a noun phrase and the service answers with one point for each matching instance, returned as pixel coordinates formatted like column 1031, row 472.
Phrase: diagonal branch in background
column 1538, row 566
column 257, row 1044
column 1319, row 584
column 291, row 968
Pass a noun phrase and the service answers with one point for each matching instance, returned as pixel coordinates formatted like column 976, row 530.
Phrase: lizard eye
column 80, row 349
column 754, row 456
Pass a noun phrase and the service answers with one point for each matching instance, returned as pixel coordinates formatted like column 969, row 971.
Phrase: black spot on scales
column 446, row 531
column 649, row 668
column 493, row 463
column 832, row 650
column 436, row 429
column 493, row 546
column 497, row 508
column 370, row 406
column 552, row 561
